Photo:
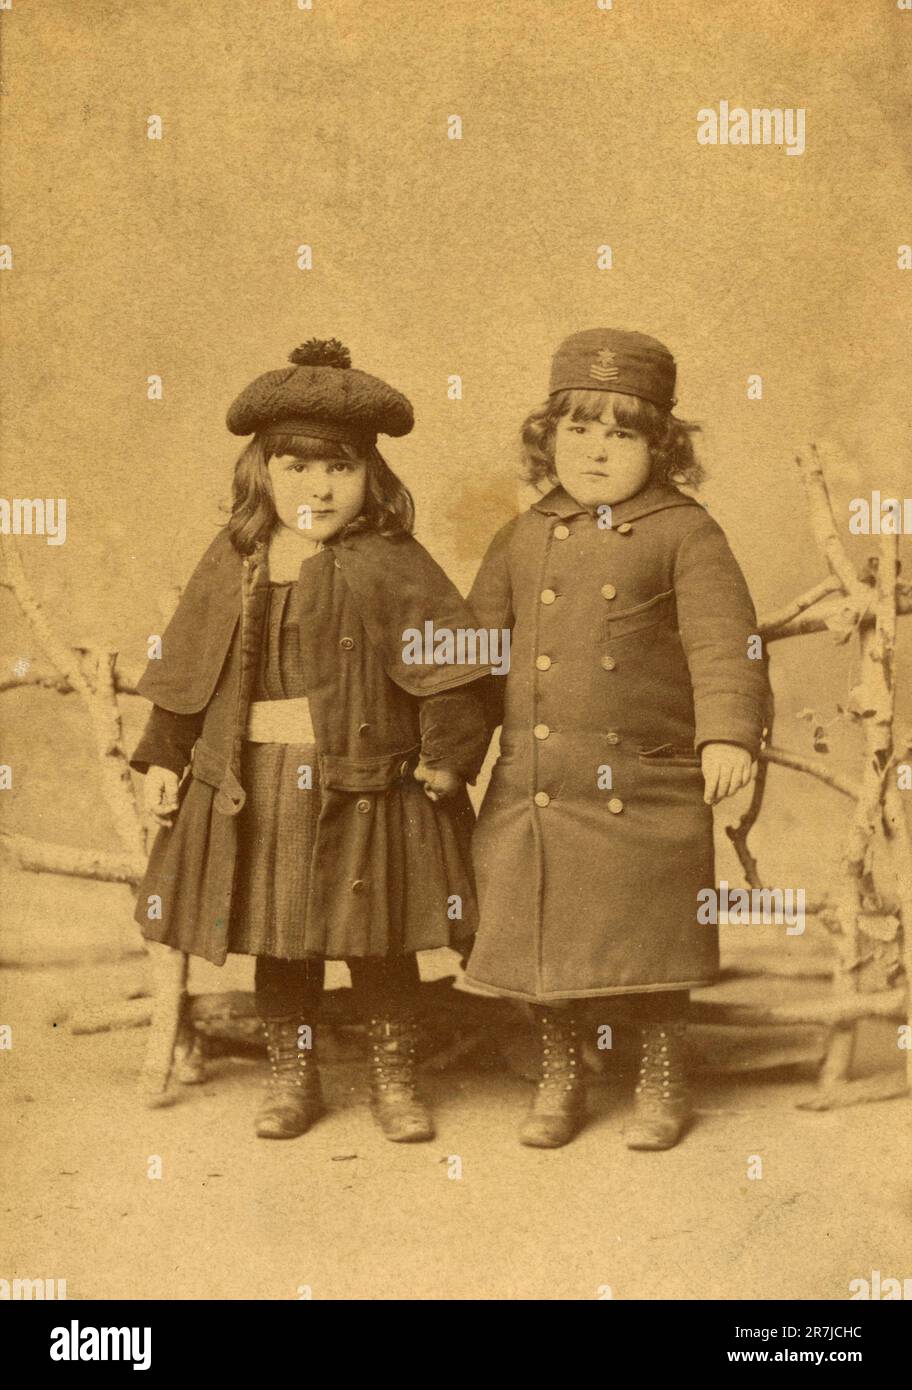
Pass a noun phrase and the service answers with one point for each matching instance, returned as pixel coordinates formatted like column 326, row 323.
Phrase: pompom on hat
column 611, row 359
column 322, row 395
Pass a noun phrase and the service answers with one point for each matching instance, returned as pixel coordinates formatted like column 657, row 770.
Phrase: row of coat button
column 615, row 805
column 548, row 596
column 561, row 532
column 542, row 731
column 544, row 663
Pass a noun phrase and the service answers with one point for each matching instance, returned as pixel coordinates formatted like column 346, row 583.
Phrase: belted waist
column 280, row 721
column 370, row 773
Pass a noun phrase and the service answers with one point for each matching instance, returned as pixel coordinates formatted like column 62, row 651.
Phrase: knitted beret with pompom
column 321, row 394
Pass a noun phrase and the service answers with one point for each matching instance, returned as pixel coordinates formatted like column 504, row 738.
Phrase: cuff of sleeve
column 144, row 758
column 729, row 719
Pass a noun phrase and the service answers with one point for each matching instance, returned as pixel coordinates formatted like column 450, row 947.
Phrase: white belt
column 280, row 721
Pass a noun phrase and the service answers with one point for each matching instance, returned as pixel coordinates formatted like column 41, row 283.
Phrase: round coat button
column 548, row 595
column 543, row 663
column 346, row 643
column 541, row 798
column 615, row 805
column 609, row 591
column 358, row 885
column 608, row 663
column 625, row 528
column 561, row 532
column 541, row 731
column 612, row 737
column 363, row 729
column 363, row 806
column 403, row 769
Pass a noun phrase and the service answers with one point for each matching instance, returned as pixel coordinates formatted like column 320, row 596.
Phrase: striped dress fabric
column 277, row 824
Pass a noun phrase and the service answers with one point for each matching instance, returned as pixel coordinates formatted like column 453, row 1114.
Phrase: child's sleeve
column 716, row 618
column 167, row 740
column 454, row 732
column 491, row 602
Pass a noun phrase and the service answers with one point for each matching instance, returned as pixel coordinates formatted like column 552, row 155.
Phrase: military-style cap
column 321, row 395
column 611, row 359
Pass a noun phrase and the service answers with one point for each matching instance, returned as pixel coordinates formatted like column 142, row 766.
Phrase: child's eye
column 341, row 466
column 297, row 467
column 576, row 429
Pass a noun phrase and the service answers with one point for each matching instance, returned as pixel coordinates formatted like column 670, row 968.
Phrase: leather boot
column 661, row 1106
column 294, row 1097
column 395, row 1104
column 558, row 1108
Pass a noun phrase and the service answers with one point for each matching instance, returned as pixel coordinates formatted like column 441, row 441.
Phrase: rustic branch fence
column 866, row 912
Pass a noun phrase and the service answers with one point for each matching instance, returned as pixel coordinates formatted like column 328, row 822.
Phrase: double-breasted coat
column 629, row 653
column 390, row 869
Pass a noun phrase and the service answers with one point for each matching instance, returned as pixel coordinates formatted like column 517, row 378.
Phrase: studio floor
column 342, row 1214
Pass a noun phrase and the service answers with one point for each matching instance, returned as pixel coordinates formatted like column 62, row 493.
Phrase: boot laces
column 559, row 1060
column 662, row 1078
column 289, row 1063
column 393, row 1054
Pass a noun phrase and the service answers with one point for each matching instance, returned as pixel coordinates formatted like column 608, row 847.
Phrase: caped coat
column 629, row 653
column 360, row 595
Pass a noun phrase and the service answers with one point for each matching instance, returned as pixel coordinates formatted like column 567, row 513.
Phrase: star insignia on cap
column 602, row 368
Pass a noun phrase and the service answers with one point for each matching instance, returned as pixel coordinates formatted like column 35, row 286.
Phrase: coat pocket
column 668, row 755
column 375, row 774
column 654, row 611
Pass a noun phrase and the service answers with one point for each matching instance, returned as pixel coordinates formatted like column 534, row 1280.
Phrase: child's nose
column 323, row 488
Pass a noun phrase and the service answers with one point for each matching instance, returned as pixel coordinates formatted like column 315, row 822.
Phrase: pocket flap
column 373, row 774
column 669, row 755
column 212, row 769
column 656, row 610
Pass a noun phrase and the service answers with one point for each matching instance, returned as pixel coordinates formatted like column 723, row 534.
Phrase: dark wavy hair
column 670, row 446
column 388, row 506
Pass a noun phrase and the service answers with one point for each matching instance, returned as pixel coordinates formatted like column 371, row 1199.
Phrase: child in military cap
column 631, row 707
column 324, row 814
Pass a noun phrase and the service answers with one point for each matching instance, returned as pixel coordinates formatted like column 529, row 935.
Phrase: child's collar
column 653, row 498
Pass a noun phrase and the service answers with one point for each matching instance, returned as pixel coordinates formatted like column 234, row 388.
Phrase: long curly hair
column 671, row 448
column 388, row 505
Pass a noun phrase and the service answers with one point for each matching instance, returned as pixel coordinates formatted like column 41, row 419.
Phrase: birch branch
column 41, row 856
column 840, row 614
column 814, row 767
column 823, row 522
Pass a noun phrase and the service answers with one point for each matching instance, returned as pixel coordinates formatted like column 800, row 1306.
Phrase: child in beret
column 633, row 704
column 309, row 784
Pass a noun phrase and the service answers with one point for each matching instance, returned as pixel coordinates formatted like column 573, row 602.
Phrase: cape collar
column 656, row 497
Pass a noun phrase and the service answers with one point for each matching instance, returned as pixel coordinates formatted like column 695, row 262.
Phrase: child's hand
column 438, row 782
column 160, row 794
column 726, row 769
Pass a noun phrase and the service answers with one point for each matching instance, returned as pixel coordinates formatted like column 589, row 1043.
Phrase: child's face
column 317, row 497
column 600, row 461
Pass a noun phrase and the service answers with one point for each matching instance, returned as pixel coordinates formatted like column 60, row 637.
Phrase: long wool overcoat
column 629, row 652
column 359, row 595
